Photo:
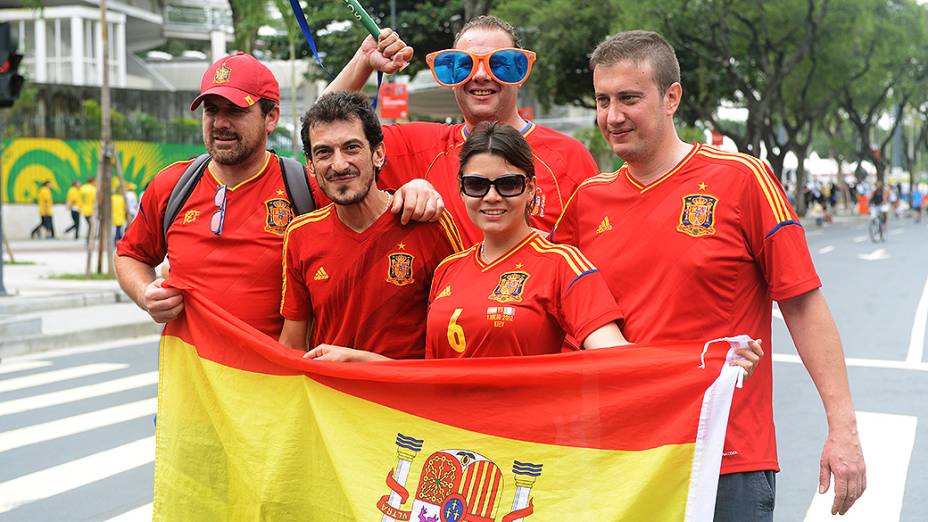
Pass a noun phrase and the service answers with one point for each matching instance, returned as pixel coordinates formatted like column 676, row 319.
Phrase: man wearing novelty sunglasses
column 485, row 68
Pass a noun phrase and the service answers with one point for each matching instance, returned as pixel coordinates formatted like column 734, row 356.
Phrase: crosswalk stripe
column 76, row 394
column 76, row 424
column 21, row 366
column 887, row 442
column 39, row 379
column 136, row 515
column 71, row 475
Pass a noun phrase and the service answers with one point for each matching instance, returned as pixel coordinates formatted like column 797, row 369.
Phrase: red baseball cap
column 239, row 78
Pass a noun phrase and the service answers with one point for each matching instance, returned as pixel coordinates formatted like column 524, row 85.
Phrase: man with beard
column 225, row 240
column 353, row 259
column 484, row 69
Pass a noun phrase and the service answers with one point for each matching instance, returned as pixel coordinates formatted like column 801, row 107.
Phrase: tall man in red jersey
column 695, row 243
column 352, row 269
column 226, row 239
column 430, row 150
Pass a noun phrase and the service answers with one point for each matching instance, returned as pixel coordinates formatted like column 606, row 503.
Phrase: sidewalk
column 40, row 313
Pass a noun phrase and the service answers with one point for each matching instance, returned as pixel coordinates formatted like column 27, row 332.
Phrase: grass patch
column 18, row 263
column 84, row 277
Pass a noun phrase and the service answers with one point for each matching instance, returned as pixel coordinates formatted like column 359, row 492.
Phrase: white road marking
column 21, row 366
column 136, row 515
column 863, row 363
column 887, row 442
column 917, row 339
column 76, row 424
column 877, row 255
column 71, row 475
column 75, row 394
column 860, row 239
column 896, row 232
column 39, row 379
column 776, row 311
column 825, row 250
column 64, row 352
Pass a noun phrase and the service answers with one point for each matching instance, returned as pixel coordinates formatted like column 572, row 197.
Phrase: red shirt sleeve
column 585, row 302
column 144, row 240
column 294, row 303
column 776, row 237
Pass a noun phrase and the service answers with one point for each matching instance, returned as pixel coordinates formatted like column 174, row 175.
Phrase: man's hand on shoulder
column 843, row 458
column 388, row 54
column 162, row 304
column 418, row 201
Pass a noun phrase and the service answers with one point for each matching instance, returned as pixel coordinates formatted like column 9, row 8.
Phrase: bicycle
column 878, row 218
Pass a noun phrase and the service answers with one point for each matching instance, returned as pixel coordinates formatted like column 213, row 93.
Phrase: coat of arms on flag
column 455, row 485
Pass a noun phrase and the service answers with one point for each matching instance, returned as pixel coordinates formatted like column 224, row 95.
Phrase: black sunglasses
column 507, row 185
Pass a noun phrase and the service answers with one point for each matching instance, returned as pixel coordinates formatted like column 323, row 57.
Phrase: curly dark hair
column 342, row 106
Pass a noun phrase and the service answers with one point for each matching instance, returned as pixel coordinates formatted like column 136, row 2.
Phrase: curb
column 44, row 342
column 26, row 305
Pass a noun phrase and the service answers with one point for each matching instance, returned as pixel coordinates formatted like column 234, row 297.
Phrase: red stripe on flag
column 577, row 399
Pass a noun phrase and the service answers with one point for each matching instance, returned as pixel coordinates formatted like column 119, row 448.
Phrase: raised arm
column 389, row 54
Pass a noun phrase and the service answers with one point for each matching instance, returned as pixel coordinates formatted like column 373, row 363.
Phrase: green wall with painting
column 27, row 162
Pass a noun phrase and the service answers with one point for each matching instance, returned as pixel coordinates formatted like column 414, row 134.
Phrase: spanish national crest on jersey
column 510, row 288
column 279, row 215
column 399, row 271
column 456, row 486
column 698, row 216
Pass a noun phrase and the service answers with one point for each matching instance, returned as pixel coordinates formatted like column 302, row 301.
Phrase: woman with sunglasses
column 514, row 292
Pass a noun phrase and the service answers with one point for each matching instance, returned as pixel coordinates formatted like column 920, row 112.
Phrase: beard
column 234, row 155
column 343, row 194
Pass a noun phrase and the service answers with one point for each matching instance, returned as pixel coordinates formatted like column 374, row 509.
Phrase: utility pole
column 101, row 228
column 105, row 188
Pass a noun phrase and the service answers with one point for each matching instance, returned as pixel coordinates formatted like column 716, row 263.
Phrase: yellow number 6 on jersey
column 456, row 333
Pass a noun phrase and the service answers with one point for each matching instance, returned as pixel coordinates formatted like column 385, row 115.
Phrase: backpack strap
column 297, row 185
column 182, row 190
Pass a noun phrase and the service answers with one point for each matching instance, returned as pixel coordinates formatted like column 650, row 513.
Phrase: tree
column 889, row 65
column 247, row 17
column 561, row 74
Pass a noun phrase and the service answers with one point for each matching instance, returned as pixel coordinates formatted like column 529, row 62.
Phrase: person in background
column 44, row 199
column 88, row 192
column 73, row 201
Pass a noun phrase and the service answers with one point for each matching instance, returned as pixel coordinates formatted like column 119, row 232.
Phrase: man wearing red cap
column 226, row 239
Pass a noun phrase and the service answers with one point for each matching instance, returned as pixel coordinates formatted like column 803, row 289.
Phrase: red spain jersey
column 698, row 254
column 523, row 303
column 238, row 270
column 366, row 290
column 430, row 151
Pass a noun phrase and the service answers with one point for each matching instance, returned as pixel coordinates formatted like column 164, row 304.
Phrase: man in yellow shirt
column 44, row 198
column 119, row 214
column 88, row 192
column 73, row 201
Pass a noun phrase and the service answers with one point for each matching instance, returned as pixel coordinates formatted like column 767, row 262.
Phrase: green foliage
column 84, row 277
column 563, row 33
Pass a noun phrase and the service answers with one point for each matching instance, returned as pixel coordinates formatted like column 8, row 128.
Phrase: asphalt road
column 874, row 291
column 76, row 431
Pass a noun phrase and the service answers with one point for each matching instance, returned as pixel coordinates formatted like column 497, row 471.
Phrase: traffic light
column 10, row 81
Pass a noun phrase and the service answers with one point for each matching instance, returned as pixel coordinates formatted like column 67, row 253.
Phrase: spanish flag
column 248, row 430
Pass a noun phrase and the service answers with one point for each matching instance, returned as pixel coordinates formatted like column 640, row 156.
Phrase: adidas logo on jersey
column 444, row 293
column 604, row 226
column 321, row 274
